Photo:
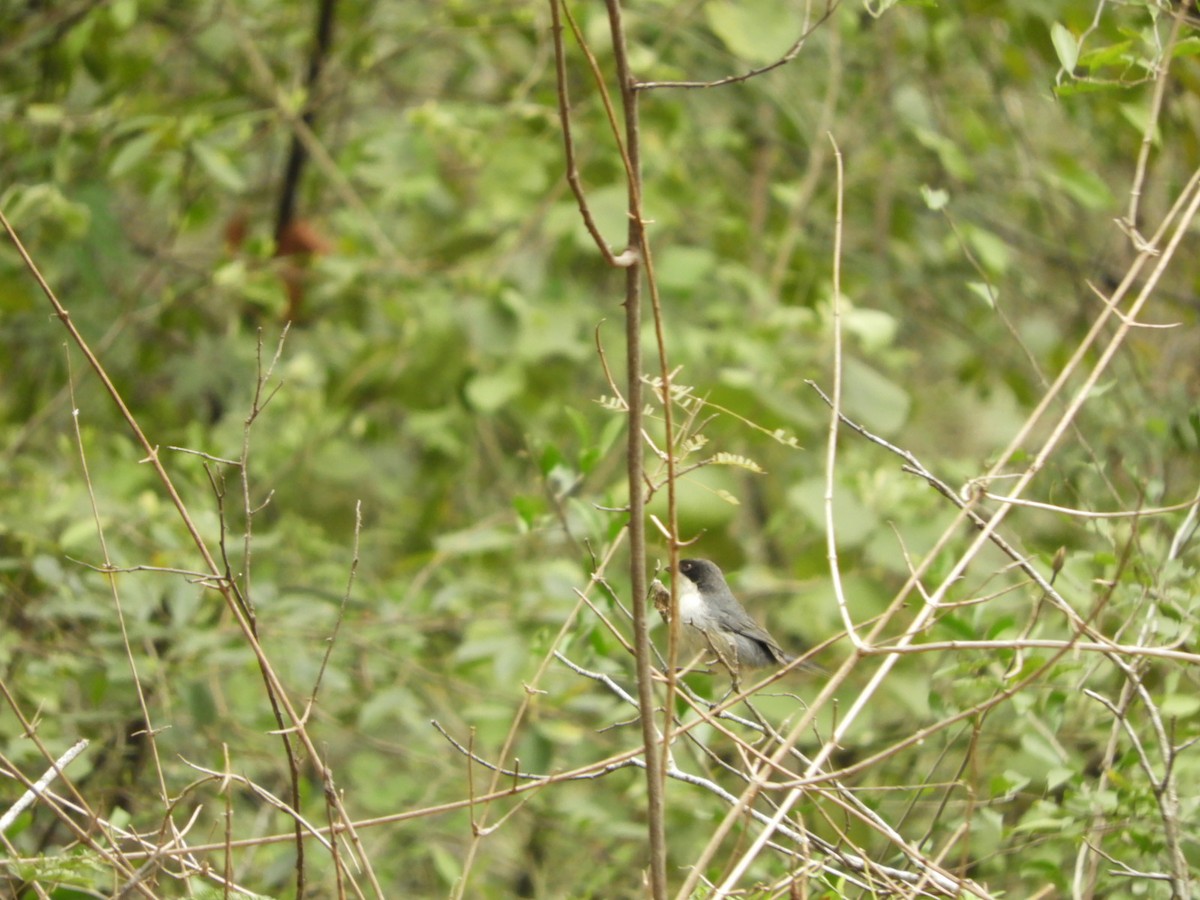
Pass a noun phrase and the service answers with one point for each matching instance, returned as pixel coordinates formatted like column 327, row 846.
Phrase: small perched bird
column 712, row 618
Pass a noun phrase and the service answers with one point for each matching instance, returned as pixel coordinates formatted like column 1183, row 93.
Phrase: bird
column 713, row 619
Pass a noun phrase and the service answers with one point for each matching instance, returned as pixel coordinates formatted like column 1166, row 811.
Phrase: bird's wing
column 751, row 630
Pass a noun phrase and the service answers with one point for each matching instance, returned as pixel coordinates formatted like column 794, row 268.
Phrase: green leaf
column 470, row 541
column 1072, row 88
column 788, row 440
column 1065, row 45
column 447, row 865
column 550, row 459
column 854, row 522
column 875, row 328
column 80, row 867
column 45, row 114
column 991, row 251
column 1138, row 115
column 490, row 391
column 123, row 13
column 1106, row 56
column 760, row 31
column 1189, row 46
column 984, row 292
column 528, row 509
column 1082, row 185
column 1005, row 785
column 45, row 202
column 1180, row 706
column 732, row 459
column 949, row 154
column 874, row 399
column 218, row 166
column 1057, row 777
column 935, row 198
column 133, row 153
column 1044, row 817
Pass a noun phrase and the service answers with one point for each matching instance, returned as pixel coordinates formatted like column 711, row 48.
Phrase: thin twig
column 557, row 10
column 790, row 55
column 275, row 689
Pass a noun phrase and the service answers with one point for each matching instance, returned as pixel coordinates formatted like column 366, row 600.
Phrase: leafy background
column 441, row 370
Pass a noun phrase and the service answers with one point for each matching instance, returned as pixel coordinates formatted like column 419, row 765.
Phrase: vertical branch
column 298, row 153
column 637, row 520
column 672, row 509
column 626, row 136
column 1156, row 105
column 748, row 796
column 835, row 573
column 245, row 594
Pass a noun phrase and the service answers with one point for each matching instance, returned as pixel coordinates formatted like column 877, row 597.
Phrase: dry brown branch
column 627, row 257
column 275, row 689
column 35, row 790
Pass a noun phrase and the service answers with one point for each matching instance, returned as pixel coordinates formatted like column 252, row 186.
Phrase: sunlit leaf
column 935, row 198
column 1065, row 45
column 740, row 462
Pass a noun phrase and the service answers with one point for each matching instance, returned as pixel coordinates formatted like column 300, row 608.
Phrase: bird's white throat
column 691, row 604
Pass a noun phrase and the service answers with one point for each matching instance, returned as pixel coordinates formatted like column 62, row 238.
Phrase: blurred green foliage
column 442, row 370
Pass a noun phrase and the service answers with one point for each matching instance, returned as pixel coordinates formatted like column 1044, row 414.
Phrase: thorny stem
column 655, row 773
